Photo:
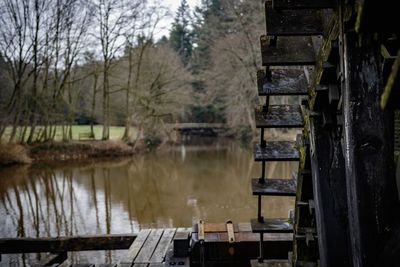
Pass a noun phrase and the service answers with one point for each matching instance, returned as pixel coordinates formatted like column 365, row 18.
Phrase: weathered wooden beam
column 292, row 22
column 368, row 144
column 60, row 244
column 246, row 247
column 329, row 183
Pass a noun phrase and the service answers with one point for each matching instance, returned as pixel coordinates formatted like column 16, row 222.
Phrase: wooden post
column 371, row 189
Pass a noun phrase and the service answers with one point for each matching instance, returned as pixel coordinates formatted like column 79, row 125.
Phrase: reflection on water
column 168, row 189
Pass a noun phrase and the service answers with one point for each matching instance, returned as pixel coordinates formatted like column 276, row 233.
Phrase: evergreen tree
column 209, row 26
column 181, row 36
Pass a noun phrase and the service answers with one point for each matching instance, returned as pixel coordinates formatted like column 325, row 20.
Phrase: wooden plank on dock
column 149, row 246
column 244, row 227
column 288, row 51
column 245, row 237
column 163, row 245
column 57, row 244
column 136, row 246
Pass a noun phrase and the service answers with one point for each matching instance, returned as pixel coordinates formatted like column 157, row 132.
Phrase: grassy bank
column 116, row 132
column 65, row 151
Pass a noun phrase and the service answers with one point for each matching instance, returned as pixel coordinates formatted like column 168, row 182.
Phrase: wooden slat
column 74, row 243
column 181, row 242
column 163, row 245
column 271, row 226
column 302, row 4
column 288, row 51
column 215, row 227
column 277, row 151
column 52, row 259
column 171, row 260
column 282, row 82
column 83, row 265
column 141, row 265
column 106, row 265
column 279, row 116
column 67, row 263
column 274, row 187
column 136, row 246
column 149, row 246
column 293, row 22
column 247, row 237
column 271, row 263
column 244, row 227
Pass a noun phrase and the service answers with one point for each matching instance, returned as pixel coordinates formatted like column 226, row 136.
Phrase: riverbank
column 65, row 151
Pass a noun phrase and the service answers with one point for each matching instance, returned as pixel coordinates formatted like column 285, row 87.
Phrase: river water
column 173, row 188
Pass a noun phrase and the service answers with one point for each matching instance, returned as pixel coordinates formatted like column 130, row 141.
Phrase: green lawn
column 116, row 132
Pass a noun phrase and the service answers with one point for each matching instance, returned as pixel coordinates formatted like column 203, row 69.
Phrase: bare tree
column 112, row 19
column 234, row 63
column 16, row 49
column 40, row 43
column 141, row 35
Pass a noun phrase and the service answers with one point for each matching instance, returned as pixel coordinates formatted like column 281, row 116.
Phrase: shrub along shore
column 65, row 151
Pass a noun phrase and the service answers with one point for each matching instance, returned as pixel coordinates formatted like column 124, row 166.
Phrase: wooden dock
column 211, row 244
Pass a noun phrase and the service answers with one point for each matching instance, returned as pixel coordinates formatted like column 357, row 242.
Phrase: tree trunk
column 126, row 136
column 106, row 134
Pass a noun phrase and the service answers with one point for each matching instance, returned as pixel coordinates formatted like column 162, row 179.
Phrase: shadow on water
column 166, row 189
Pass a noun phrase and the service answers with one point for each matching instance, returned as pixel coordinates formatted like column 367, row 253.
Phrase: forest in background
column 68, row 62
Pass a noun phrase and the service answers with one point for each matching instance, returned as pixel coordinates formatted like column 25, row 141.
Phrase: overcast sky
column 173, row 5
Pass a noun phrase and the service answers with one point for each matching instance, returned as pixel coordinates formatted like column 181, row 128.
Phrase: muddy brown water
column 173, row 188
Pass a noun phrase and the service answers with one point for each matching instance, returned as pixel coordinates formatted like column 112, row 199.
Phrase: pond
column 173, row 188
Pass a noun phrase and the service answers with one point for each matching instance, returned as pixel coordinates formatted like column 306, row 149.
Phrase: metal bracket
column 201, row 230
column 231, row 232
